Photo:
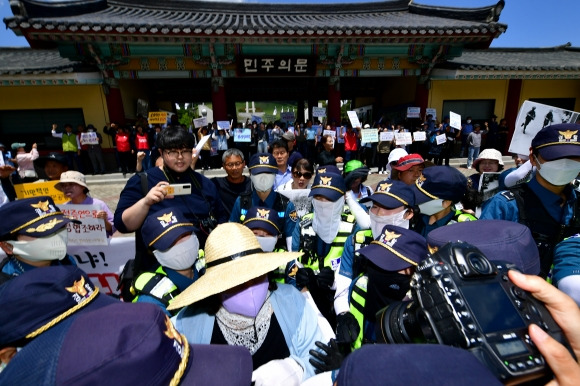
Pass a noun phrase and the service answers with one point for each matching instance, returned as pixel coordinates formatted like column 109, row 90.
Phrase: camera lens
column 479, row 263
column 397, row 323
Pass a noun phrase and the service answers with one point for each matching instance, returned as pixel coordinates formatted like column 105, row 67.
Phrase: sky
column 531, row 23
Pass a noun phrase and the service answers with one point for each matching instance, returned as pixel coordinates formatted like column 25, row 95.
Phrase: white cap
column 396, row 154
column 489, row 154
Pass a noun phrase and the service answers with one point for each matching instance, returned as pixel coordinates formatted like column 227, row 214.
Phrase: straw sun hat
column 233, row 256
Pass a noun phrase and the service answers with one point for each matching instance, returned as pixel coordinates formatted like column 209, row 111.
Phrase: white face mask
column 180, row 256
column 327, row 218
column 429, row 208
column 558, row 172
column 47, row 248
column 379, row 222
column 469, row 121
column 267, row 242
column 263, row 182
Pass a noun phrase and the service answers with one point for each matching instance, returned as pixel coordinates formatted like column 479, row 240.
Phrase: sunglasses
column 306, row 175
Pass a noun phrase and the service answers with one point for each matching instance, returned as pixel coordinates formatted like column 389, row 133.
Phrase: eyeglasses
column 306, row 175
column 234, row 164
column 177, row 153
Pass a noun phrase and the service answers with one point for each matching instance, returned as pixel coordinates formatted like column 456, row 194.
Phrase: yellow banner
column 157, row 117
column 35, row 189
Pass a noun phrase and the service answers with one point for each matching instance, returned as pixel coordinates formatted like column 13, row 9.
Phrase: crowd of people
column 282, row 270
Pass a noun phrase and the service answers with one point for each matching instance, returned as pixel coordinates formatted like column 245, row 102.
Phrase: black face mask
column 384, row 287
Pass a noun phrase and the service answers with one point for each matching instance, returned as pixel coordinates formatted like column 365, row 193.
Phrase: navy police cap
column 262, row 163
column 392, row 194
column 439, row 182
column 328, row 185
column 263, row 218
column 558, row 141
column 163, row 228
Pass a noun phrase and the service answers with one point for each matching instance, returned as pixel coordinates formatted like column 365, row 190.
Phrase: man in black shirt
column 235, row 183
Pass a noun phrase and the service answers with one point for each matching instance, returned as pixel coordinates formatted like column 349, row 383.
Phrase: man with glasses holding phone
column 235, row 183
column 148, row 194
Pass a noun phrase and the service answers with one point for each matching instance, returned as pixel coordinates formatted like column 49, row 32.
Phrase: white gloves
column 283, row 372
column 363, row 219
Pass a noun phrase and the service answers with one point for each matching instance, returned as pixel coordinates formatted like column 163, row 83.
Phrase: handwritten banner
column 455, row 120
column 403, row 138
column 441, row 139
column 89, row 138
column 225, row 125
column 287, row 116
column 200, row 122
column 431, row 111
column 91, row 231
column 331, row 133
column 353, row 118
column 36, row 189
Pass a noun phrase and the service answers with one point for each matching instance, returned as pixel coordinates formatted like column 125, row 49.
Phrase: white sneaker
column 469, row 167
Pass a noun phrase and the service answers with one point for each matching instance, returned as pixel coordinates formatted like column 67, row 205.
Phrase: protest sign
column 440, row 139
column 89, row 138
column 419, row 136
column 223, row 125
column 386, row 135
column 201, row 142
column 431, row 111
column 353, row 118
column 256, row 119
column 332, row 133
column 403, row 139
column 242, row 135
column 532, row 117
column 287, row 116
column 91, row 231
column 200, row 122
column 2, row 159
column 455, row 120
column 102, row 263
column 36, row 189
column 157, row 117
column 369, row 135
column 413, row 112
column 300, row 199
column 489, row 185
column 319, row 112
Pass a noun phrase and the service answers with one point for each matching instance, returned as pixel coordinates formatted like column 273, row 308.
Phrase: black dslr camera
column 208, row 224
column 462, row 299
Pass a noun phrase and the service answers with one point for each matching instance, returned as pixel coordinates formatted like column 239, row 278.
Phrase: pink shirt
column 26, row 161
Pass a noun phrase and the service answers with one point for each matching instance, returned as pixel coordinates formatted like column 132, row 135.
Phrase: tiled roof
column 561, row 58
column 396, row 17
column 24, row 60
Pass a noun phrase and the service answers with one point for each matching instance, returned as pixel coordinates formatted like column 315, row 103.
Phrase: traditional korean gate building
column 91, row 60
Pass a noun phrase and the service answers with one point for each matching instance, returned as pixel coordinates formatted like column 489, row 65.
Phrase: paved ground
column 108, row 187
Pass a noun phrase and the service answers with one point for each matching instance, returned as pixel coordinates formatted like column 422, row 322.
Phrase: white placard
column 413, row 112
column 257, row 119
column 91, row 231
column 403, row 139
column 369, row 135
column 287, row 116
column 419, row 136
column 242, row 135
column 440, row 139
column 455, row 120
column 2, row 159
column 200, row 122
column 332, row 133
column 386, row 135
column 353, row 118
column 532, row 117
column 89, row 138
column 201, row 142
column 225, row 125
column 319, row 112
column 102, row 263
column 431, row 111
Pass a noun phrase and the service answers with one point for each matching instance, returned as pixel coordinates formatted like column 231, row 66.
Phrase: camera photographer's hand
column 157, row 193
column 567, row 315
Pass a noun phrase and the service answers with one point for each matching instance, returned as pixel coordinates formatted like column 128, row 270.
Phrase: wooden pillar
column 333, row 111
column 218, row 99
column 114, row 101
column 422, row 95
column 512, row 107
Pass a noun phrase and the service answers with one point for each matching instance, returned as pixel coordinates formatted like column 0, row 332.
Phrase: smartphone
column 179, row 189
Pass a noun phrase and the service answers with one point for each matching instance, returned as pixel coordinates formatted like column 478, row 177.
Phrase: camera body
column 462, row 299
